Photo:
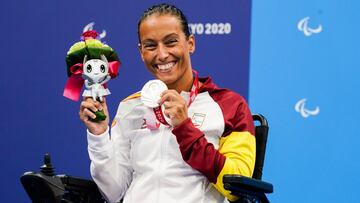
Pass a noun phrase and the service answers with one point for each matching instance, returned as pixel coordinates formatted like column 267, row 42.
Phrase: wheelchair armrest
column 78, row 187
column 79, row 184
column 60, row 188
column 42, row 188
column 45, row 186
column 238, row 184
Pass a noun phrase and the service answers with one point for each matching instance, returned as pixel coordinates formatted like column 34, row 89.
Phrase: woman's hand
column 87, row 107
column 175, row 106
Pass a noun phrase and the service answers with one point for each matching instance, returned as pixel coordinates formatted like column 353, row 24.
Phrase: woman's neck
column 183, row 84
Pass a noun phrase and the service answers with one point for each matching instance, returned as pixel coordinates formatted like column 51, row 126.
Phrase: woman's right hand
column 87, row 107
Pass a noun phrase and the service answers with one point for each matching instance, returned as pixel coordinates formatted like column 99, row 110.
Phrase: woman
column 211, row 133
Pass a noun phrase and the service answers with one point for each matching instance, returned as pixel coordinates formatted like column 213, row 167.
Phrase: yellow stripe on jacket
column 133, row 96
column 239, row 148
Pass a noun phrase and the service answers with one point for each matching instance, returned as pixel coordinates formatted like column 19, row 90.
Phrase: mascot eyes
column 88, row 68
column 102, row 68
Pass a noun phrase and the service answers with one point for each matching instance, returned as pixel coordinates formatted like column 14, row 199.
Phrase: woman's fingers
column 87, row 108
column 174, row 106
column 88, row 114
column 89, row 104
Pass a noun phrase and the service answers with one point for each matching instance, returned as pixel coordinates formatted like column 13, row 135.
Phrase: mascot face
column 96, row 69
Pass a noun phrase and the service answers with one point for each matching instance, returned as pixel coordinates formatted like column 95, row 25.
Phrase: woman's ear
column 191, row 43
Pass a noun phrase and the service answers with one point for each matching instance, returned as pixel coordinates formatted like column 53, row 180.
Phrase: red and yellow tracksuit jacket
column 181, row 164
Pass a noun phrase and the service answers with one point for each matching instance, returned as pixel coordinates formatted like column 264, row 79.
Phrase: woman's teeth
column 165, row 67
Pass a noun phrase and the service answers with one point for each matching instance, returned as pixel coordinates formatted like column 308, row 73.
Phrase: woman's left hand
column 175, row 106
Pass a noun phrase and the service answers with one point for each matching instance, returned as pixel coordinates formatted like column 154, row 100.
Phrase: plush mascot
column 92, row 63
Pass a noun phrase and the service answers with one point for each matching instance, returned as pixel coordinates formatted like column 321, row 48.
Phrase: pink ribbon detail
column 75, row 82
column 114, row 67
column 160, row 116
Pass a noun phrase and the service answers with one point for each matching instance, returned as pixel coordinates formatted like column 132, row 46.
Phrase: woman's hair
column 162, row 9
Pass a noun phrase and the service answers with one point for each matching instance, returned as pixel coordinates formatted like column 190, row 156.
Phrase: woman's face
column 165, row 49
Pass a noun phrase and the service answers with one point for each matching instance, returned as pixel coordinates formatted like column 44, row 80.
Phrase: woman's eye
column 171, row 42
column 88, row 68
column 149, row 46
column 102, row 68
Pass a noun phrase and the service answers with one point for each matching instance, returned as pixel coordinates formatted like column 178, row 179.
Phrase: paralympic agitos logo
column 303, row 26
column 304, row 112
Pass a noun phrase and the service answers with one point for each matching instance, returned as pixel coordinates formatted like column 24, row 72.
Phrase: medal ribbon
column 194, row 88
column 160, row 116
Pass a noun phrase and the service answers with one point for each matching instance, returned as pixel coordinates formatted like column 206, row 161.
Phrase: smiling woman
column 165, row 50
column 210, row 133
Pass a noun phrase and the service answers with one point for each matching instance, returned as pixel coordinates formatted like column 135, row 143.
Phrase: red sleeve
column 197, row 151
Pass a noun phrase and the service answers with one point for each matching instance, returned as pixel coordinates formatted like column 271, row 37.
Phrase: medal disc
column 150, row 93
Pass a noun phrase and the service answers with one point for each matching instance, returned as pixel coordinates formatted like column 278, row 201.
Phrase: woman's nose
column 163, row 52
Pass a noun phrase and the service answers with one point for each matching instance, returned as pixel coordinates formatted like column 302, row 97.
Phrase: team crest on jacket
column 198, row 119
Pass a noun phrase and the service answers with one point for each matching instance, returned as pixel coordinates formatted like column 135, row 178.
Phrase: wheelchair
column 46, row 187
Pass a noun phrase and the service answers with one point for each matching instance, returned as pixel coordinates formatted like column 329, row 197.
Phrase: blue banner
column 36, row 118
